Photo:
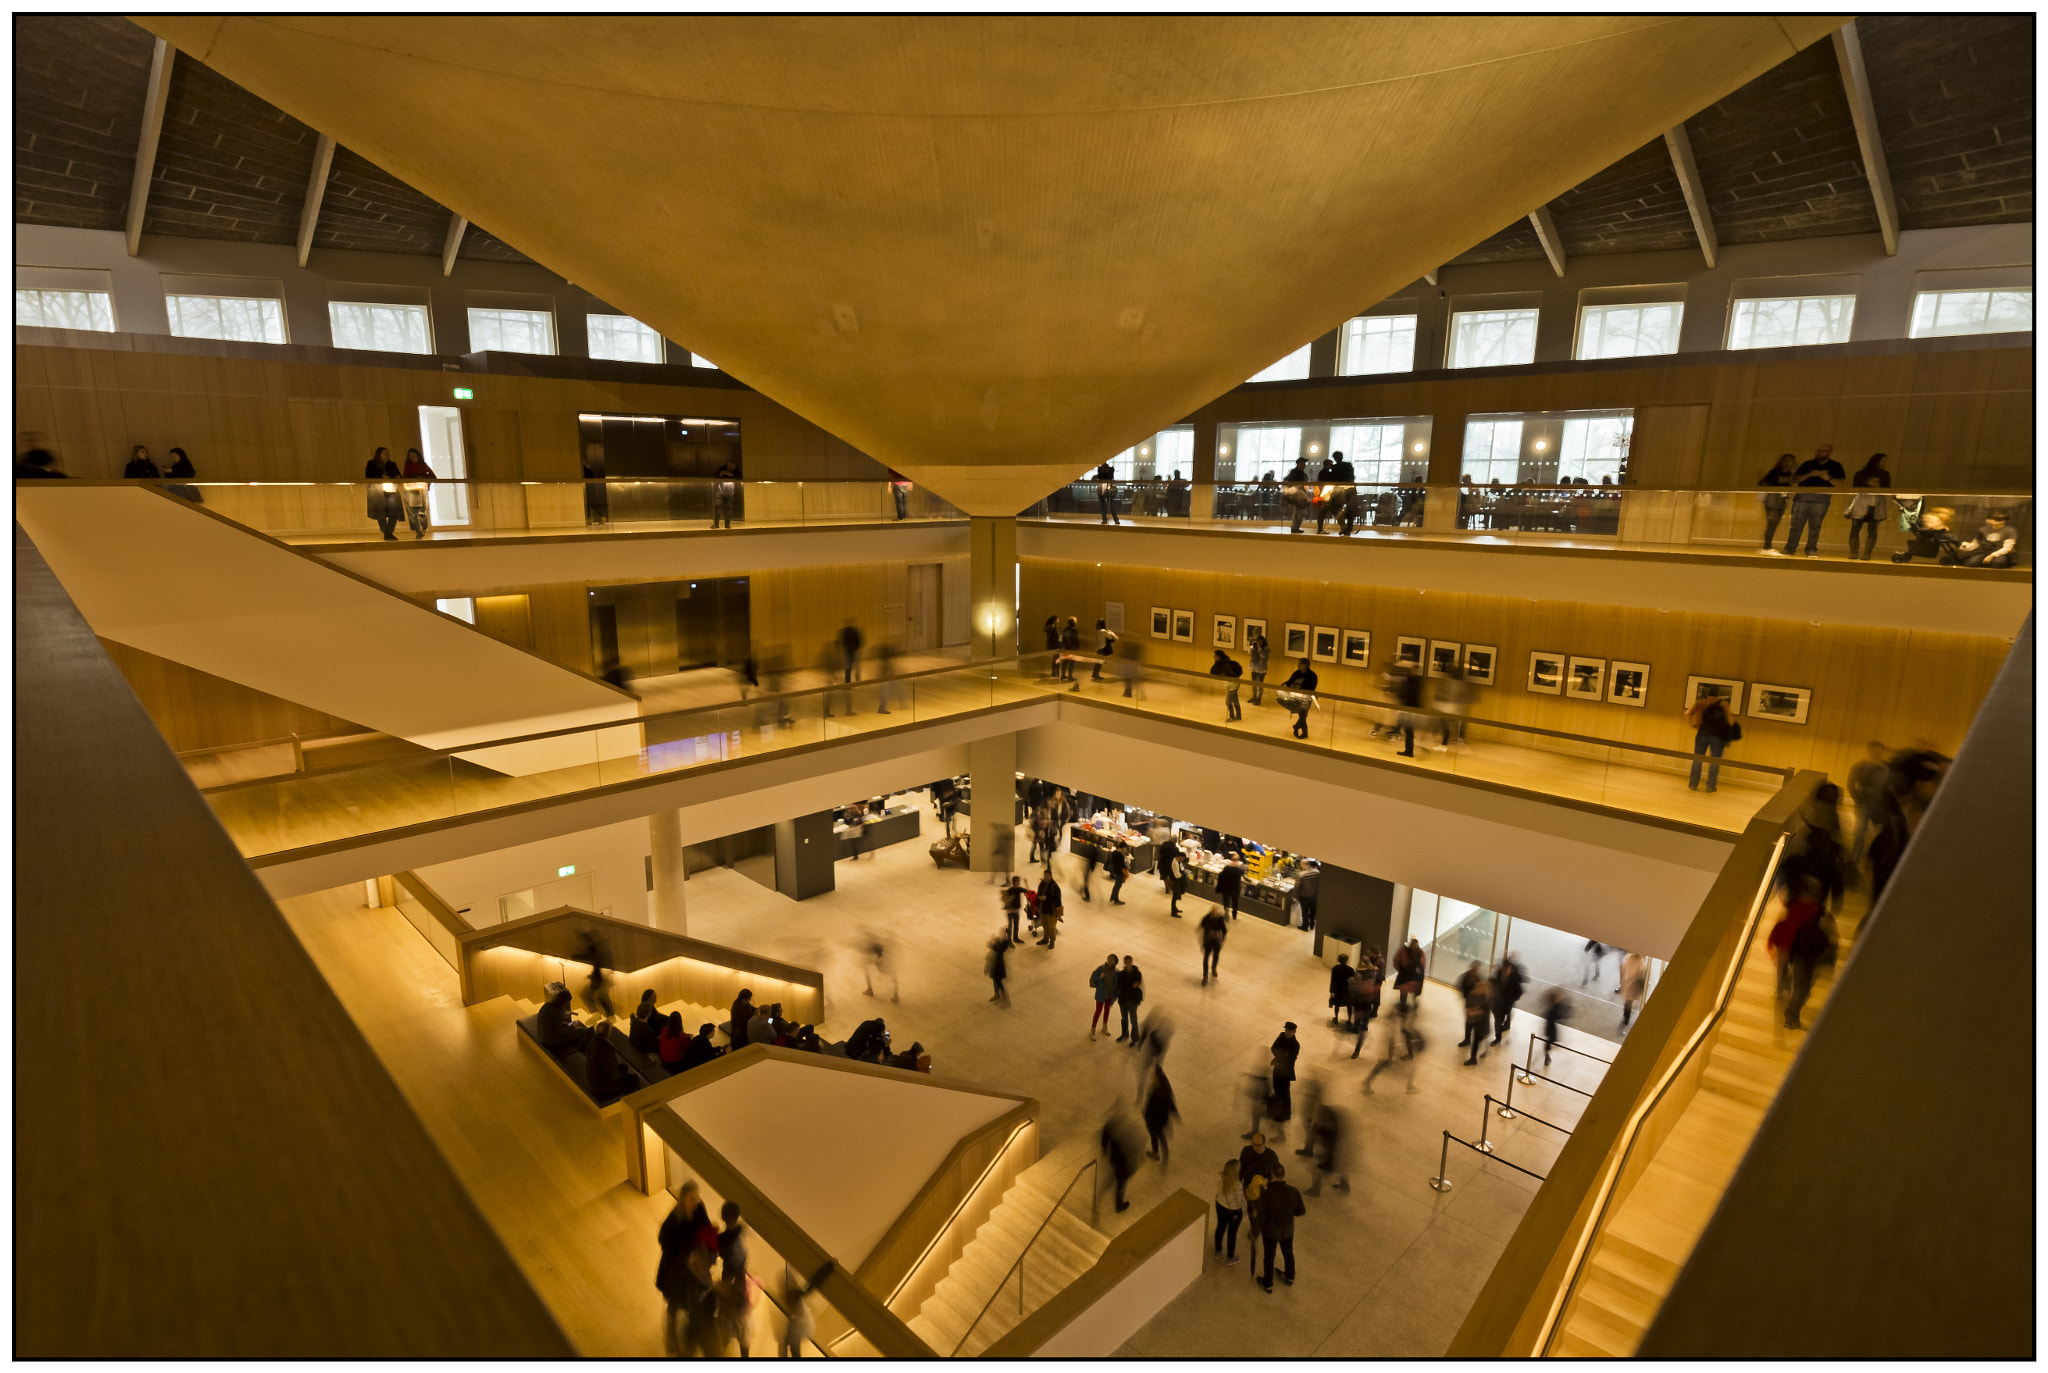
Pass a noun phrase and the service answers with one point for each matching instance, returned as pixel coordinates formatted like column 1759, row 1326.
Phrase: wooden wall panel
column 508, row 619
column 194, row 709
column 1896, row 686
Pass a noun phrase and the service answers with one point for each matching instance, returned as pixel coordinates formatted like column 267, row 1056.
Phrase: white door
column 441, row 441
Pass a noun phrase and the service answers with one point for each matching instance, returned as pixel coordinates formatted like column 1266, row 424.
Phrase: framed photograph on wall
column 1725, row 689
column 1443, row 658
column 1546, row 673
column 1183, row 626
column 1479, row 661
column 1586, row 679
column 1323, row 648
column 1786, row 705
column 1295, row 645
column 1225, row 635
column 1253, row 629
column 1628, row 684
column 1357, row 651
column 1162, row 622
column 1409, row 651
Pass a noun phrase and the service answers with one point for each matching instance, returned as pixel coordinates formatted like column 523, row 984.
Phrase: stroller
column 1927, row 532
column 1031, row 913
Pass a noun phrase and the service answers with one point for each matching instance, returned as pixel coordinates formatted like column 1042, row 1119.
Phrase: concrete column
column 1203, row 502
column 1446, row 465
column 665, row 905
column 1397, row 919
column 992, row 771
column 992, row 587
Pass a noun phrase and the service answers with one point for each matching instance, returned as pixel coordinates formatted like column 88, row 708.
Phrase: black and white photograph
column 1727, row 690
column 1296, row 643
column 1409, row 651
column 1183, row 626
column 1546, row 673
column 1443, row 658
column 1587, row 679
column 1479, row 660
column 1323, row 648
column 1162, row 622
column 1253, row 630
column 1225, row 635
column 1628, row 684
column 1357, row 648
column 1787, row 705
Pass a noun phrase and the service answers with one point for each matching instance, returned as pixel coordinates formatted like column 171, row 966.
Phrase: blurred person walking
column 414, row 494
column 1298, row 695
column 1713, row 730
column 1557, row 1007
column 1105, row 647
column 1326, row 1138
column 1117, row 1142
column 383, row 504
column 1130, row 667
column 803, row 1322
column 1867, row 792
column 1308, row 891
column 1801, row 941
column 1407, row 1038
column 1286, row 1049
column 1780, row 475
column 1214, row 926
column 1410, row 963
column 1160, row 1111
column 1816, row 475
column 1635, row 981
column 874, row 954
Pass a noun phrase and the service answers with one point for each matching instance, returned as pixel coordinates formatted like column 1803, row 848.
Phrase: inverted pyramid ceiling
column 991, row 252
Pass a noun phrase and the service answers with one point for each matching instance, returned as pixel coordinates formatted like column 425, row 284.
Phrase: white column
column 665, row 841
column 1397, row 919
column 370, row 896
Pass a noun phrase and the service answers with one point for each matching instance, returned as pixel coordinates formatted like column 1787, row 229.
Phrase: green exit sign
column 464, row 393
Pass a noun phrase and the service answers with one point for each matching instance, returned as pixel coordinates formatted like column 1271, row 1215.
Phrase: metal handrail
column 1443, row 1184
column 1094, row 1203
column 1631, row 1131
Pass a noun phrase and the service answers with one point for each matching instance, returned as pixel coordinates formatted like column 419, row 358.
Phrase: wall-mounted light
column 464, row 393
column 1541, row 445
column 1223, row 450
column 1418, row 448
column 1314, row 449
column 1144, row 452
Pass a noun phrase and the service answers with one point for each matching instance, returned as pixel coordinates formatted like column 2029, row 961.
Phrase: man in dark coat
column 1117, row 1143
column 1278, row 1205
column 1286, row 1049
column 1508, row 984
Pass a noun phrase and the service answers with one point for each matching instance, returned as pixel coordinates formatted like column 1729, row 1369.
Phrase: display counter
column 894, row 826
column 1270, row 899
column 1084, row 841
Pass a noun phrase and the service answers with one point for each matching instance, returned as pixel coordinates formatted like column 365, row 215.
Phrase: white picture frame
column 1546, row 673
column 1728, row 689
column 1355, row 649
column 1585, row 679
column 1253, row 627
column 1323, row 646
column 1628, row 684
column 1409, row 650
column 1481, row 662
column 1162, row 622
column 1223, row 633
column 1444, row 657
column 1785, row 704
column 1295, row 644
column 1183, row 626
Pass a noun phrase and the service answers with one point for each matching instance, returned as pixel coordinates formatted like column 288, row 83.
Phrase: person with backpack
column 1130, row 993
column 1713, row 730
column 1230, row 670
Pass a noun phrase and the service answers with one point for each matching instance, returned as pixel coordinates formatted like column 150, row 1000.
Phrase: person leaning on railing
column 1774, row 504
column 382, row 504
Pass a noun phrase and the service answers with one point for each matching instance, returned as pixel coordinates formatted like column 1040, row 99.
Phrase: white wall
column 616, row 856
column 1101, row 1330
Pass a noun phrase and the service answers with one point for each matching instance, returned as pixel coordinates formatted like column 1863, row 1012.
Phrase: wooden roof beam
column 1680, row 146
column 316, row 191
column 1546, row 234
column 457, row 226
column 1849, row 52
column 153, row 104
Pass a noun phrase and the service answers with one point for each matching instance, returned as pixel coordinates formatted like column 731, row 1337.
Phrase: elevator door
column 921, row 632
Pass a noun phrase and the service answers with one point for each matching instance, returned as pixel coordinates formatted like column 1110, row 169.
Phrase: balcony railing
column 1925, row 528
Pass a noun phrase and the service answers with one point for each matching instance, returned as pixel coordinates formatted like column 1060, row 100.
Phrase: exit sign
column 569, row 871
column 464, row 393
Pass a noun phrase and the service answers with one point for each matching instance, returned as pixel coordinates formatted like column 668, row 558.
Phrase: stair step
column 1596, row 1329
column 1630, row 1276
column 1621, row 1310
column 1737, row 1086
column 1644, row 1254
column 1568, row 1345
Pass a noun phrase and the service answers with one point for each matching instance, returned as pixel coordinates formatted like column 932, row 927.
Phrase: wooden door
column 922, row 629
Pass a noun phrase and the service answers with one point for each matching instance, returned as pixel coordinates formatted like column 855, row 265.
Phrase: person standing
column 140, row 465
column 1557, row 1006
column 597, row 506
column 1048, row 900
column 1867, row 509
column 998, row 968
column 383, row 504
column 1172, row 874
column 899, row 488
column 725, row 493
column 1130, row 992
column 1105, row 647
column 1712, row 731
column 732, row 1294
column 415, row 492
column 1509, row 982
column 1070, row 644
column 1013, row 905
column 1308, row 890
column 1298, row 694
column 1159, row 1112
column 1340, row 989
column 1103, row 980
column 1230, row 670
column 1052, row 640
column 181, row 466
column 1105, row 493
column 1260, row 653
column 1286, row 1049
column 1118, row 864
column 1635, row 980
column 1774, row 502
column 1090, row 856
column 1279, row 1204
column 1410, row 963
column 1405, row 682
column 1214, row 928
column 1815, row 476
column 1478, row 1007
column 1229, row 1211
column 1230, row 882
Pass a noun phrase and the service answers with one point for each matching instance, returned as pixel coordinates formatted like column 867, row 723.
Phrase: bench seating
column 574, row 1067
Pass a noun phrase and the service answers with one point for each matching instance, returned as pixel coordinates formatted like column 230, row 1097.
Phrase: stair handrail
column 1631, row 1130
column 1018, row 1267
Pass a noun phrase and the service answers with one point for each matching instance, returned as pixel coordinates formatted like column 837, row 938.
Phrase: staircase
column 1064, row 1249
column 1636, row 1256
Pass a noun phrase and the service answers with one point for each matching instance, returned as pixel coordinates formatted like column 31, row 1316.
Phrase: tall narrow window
column 42, row 309
column 1493, row 451
column 511, row 331
column 1263, row 448
column 1374, row 450
column 1793, row 322
column 1493, row 338
column 380, row 328
column 1377, row 343
column 1629, row 331
column 1293, row 367
column 1174, row 451
column 233, row 318
column 622, row 338
column 1944, row 314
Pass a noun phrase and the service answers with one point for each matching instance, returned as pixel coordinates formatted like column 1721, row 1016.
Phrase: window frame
column 1533, row 315
column 90, row 294
column 1345, row 345
column 174, row 313
column 1589, row 310
column 554, row 338
column 642, row 330
column 1735, row 312
column 1989, row 293
column 424, row 315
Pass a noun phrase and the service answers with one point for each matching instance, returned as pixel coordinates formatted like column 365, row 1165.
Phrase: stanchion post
column 1440, row 1182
